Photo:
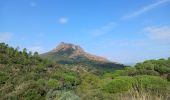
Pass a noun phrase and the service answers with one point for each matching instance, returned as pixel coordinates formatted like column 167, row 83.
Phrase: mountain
column 71, row 51
column 67, row 53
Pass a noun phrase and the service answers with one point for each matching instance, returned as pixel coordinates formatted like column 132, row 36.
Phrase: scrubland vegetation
column 26, row 76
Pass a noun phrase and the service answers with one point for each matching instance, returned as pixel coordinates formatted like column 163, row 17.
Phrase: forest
column 24, row 75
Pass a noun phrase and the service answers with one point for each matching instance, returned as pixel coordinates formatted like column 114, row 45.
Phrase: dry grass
column 147, row 96
column 135, row 95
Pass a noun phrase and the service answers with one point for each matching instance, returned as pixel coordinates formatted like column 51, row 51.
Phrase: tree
column 162, row 69
column 35, row 54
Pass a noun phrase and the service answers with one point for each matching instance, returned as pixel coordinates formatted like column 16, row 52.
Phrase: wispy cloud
column 103, row 30
column 63, row 20
column 160, row 33
column 145, row 9
column 5, row 37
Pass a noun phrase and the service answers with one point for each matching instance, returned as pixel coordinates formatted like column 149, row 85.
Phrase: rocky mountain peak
column 65, row 46
column 74, row 51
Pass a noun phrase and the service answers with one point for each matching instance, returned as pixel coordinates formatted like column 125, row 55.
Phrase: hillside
column 66, row 53
column 26, row 76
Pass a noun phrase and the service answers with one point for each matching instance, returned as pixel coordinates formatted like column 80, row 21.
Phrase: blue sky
column 125, row 31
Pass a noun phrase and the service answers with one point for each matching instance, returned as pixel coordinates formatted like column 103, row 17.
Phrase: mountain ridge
column 71, row 54
column 77, row 51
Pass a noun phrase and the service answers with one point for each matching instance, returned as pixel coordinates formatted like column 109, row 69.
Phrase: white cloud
column 63, row 20
column 38, row 49
column 5, row 37
column 145, row 9
column 160, row 33
column 103, row 30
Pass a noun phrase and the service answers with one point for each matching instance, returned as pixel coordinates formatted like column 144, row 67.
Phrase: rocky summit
column 67, row 53
column 75, row 51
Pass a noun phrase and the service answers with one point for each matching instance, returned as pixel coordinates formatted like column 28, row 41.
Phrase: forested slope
column 26, row 76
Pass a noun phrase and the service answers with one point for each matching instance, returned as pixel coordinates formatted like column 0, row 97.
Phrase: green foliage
column 119, row 84
column 26, row 76
column 52, row 83
column 168, row 77
column 153, row 67
column 90, row 81
column 89, row 85
column 119, row 73
column 69, row 96
column 3, row 77
column 146, row 72
column 128, row 79
column 9, row 55
column 41, row 82
column 162, row 69
column 31, row 94
column 153, row 83
column 146, row 65
column 69, row 78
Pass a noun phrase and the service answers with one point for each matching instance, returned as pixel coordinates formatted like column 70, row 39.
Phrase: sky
column 124, row 31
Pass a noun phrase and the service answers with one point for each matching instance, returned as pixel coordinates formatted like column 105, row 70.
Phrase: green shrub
column 148, row 65
column 154, row 83
column 128, row 79
column 69, row 96
column 3, row 77
column 32, row 94
column 118, row 85
column 41, row 82
column 57, row 75
column 162, row 69
column 168, row 77
column 69, row 79
column 146, row 72
column 51, row 94
column 52, row 83
column 89, row 83
column 119, row 73
column 130, row 71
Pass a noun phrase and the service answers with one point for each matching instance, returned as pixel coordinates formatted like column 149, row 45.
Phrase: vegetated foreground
column 26, row 76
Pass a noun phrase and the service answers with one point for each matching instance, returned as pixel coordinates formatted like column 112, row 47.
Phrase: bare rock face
column 64, row 46
column 74, row 55
column 74, row 51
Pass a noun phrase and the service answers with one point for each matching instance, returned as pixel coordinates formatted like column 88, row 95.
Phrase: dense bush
column 3, row 77
column 145, row 65
column 53, row 83
column 69, row 79
column 168, row 77
column 41, row 82
column 153, row 67
column 26, row 76
column 153, row 83
column 68, row 96
column 139, row 83
column 146, row 72
column 32, row 94
column 119, row 73
column 119, row 85
column 162, row 69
